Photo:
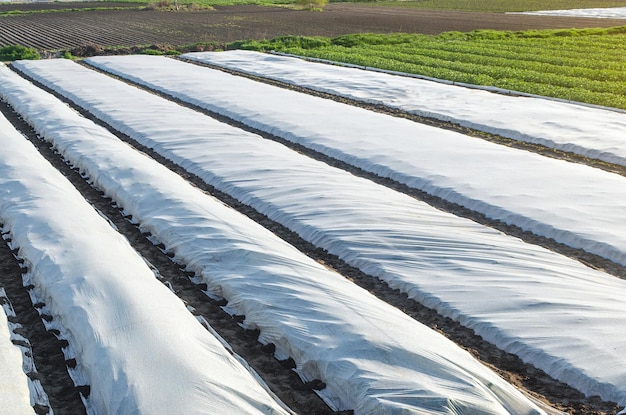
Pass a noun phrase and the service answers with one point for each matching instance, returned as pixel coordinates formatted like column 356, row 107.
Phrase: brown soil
column 131, row 27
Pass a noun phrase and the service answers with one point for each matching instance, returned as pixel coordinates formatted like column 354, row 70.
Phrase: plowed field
column 130, row 27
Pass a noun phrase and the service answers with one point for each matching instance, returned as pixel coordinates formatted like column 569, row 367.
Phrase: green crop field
column 586, row 65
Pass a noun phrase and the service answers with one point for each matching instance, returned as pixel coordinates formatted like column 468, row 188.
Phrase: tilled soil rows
column 132, row 26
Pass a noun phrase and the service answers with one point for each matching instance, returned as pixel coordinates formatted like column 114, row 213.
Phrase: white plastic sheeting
column 447, row 263
column 373, row 358
column 603, row 13
column 140, row 348
column 591, row 132
column 574, row 204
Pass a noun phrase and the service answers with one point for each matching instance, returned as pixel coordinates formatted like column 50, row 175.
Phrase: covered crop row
column 372, row 357
column 589, row 132
column 541, row 195
column 125, row 328
column 400, row 241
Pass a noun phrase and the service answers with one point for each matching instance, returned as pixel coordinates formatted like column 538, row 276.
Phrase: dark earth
column 130, row 27
column 134, row 24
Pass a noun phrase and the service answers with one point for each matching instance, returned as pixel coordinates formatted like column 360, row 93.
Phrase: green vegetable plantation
column 586, row 65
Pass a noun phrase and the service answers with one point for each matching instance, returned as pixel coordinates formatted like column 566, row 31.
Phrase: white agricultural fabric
column 591, row 132
column 373, row 358
column 576, row 205
column 602, row 13
column 513, row 294
column 14, row 392
column 141, row 349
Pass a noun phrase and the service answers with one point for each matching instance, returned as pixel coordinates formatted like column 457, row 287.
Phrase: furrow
column 66, row 30
column 107, row 34
column 22, row 34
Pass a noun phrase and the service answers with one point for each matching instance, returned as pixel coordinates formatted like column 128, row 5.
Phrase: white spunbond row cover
column 604, row 13
column 574, row 204
column 372, row 357
column 591, row 132
column 14, row 392
column 140, row 348
column 445, row 262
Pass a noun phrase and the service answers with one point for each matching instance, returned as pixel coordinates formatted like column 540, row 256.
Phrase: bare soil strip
column 279, row 376
column 526, row 377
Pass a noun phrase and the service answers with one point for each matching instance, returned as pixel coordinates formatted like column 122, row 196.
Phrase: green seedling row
column 504, row 66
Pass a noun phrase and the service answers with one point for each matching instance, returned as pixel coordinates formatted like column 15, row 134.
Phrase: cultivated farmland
column 123, row 29
column 239, row 232
column 121, row 329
